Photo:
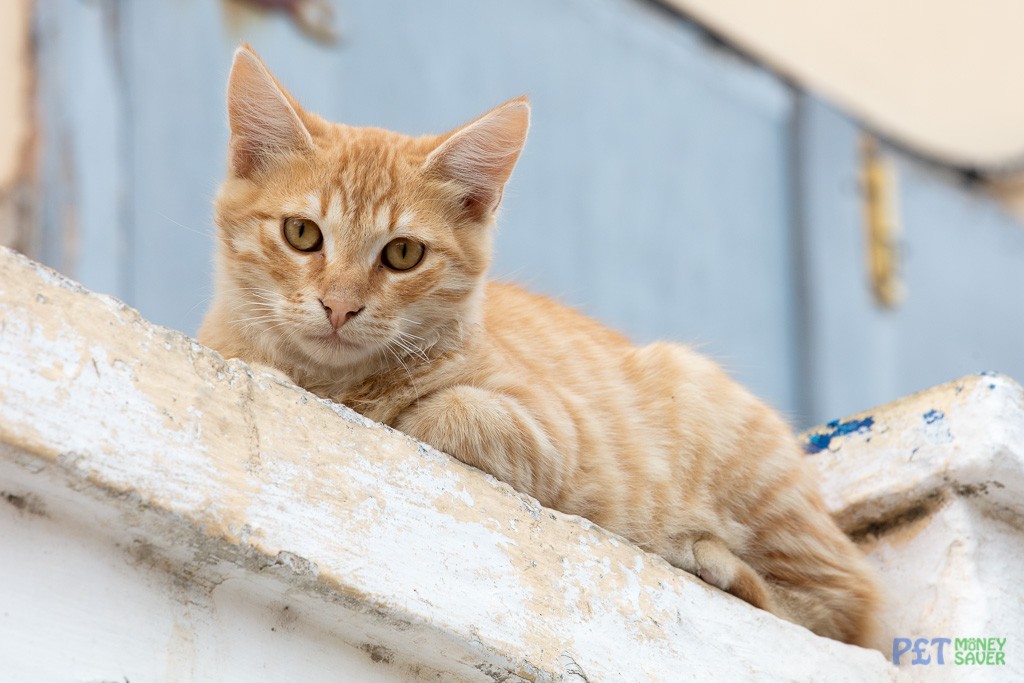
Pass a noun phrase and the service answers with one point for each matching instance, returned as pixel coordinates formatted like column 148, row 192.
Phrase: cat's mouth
column 333, row 340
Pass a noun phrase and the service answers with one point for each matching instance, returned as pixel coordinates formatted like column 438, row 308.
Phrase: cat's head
column 339, row 245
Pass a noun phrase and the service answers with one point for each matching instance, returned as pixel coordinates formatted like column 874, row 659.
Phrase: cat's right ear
column 263, row 118
column 480, row 156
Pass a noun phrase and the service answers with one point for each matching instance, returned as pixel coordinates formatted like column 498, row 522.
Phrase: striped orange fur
column 655, row 443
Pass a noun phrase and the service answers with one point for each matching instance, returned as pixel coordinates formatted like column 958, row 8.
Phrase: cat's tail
column 817, row 576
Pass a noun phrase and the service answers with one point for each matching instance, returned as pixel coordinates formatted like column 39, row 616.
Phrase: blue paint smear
column 819, row 442
column 933, row 416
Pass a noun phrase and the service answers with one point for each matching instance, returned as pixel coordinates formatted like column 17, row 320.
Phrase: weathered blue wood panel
column 965, row 278
column 963, row 271
column 81, row 109
column 653, row 192
column 657, row 191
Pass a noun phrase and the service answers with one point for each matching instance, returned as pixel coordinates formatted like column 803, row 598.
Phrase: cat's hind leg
column 708, row 558
column 718, row 566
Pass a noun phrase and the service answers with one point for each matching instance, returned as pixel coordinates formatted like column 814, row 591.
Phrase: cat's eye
column 402, row 254
column 303, row 234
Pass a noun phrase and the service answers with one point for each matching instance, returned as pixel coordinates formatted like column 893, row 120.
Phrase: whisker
column 207, row 233
column 410, row 335
column 409, row 348
column 412, row 381
column 255, row 318
column 280, row 324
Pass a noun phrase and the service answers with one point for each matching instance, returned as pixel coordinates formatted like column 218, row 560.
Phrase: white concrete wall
column 932, row 487
column 168, row 515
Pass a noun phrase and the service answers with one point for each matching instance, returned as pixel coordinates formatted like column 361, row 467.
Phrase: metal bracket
column 882, row 229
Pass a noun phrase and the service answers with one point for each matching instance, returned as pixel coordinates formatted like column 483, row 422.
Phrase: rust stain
column 315, row 18
column 882, row 228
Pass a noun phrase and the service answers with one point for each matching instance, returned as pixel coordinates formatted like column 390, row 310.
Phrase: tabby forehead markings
column 655, row 443
column 333, row 224
column 335, row 211
column 310, row 207
column 382, row 217
column 405, row 221
column 394, row 210
column 326, row 193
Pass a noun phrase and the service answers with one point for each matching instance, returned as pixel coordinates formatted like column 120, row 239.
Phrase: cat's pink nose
column 339, row 311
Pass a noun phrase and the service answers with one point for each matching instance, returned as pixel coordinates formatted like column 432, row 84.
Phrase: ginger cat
column 354, row 261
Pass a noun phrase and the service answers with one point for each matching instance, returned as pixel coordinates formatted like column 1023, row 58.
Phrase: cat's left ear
column 480, row 156
column 262, row 116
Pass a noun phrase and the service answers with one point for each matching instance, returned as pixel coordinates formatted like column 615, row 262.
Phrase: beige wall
column 939, row 76
column 15, row 124
column 14, row 85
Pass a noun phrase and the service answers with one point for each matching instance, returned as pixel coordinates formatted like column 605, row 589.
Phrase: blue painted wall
column 668, row 187
column 963, row 266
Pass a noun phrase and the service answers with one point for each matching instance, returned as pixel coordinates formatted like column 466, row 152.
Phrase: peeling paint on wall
column 819, row 440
